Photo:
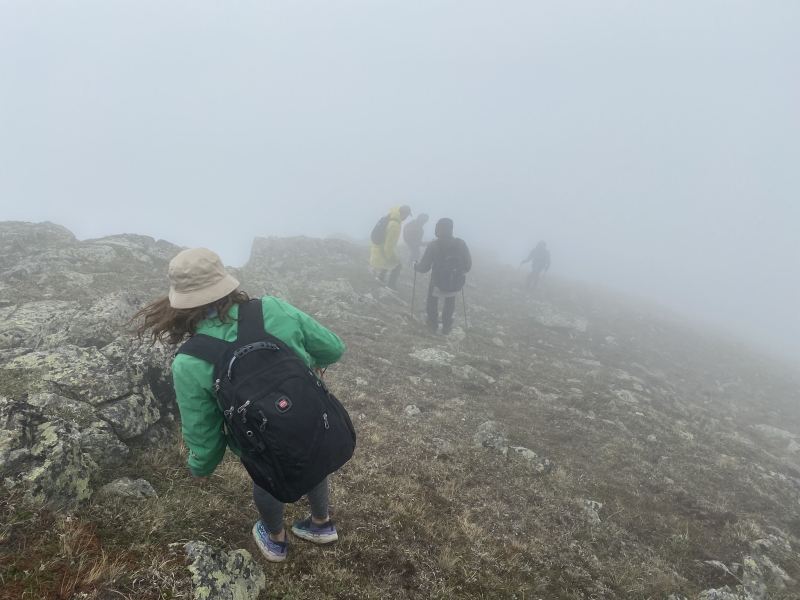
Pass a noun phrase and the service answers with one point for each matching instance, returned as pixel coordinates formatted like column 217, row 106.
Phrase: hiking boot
column 319, row 534
column 446, row 329
column 434, row 327
column 272, row 551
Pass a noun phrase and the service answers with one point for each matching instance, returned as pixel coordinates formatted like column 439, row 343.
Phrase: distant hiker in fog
column 448, row 259
column 241, row 388
column 540, row 260
column 412, row 236
column 385, row 235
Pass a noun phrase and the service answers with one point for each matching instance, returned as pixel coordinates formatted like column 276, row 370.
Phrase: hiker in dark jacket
column 448, row 259
column 540, row 260
column 412, row 236
column 204, row 299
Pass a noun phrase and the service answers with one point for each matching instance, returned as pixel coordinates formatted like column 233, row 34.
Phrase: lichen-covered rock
column 96, row 325
column 62, row 470
column 75, row 384
column 753, row 579
column 102, row 444
column 131, row 416
column 221, row 575
column 21, row 324
column 490, row 435
column 80, row 373
column 130, row 488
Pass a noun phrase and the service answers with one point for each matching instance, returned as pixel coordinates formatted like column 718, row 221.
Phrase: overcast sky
column 654, row 145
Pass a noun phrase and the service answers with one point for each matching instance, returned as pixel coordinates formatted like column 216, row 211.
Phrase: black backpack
column 378, row 236
column 291, row 430
column 450, row 277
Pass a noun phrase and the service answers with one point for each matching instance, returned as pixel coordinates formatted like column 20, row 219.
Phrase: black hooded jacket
column 443, row 246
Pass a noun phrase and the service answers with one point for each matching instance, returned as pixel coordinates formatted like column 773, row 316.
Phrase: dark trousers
column 534, row 277
column 271, row 510
column 393, row 277
column 433, row 310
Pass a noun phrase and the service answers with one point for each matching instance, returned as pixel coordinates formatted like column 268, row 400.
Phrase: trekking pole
column 413, row 291
column 465, row 311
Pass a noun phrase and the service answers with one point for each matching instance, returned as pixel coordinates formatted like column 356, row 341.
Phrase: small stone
column 361, row 416
column 498, row 342
column 591, row 415
column 442, row 445
column 411, row 410
column 490, row 435
column 540, row 464
column 592, row 510
column 652, row 439
column 361, row 381
column 130, row 488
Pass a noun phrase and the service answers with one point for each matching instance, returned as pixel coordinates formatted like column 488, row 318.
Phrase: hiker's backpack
column 291, row 430
column 378, row 236
column 450, row 278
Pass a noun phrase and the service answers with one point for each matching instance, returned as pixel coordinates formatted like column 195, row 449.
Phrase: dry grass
column 419, row 522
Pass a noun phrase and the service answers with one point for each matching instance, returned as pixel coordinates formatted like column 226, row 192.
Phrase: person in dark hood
column 412, row 236
column 540, row 260
column 448, row 259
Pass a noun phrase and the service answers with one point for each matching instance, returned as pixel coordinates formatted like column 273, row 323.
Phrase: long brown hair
column 162, row 323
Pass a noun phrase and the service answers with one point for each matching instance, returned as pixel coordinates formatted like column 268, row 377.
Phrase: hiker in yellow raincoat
column 383, row 254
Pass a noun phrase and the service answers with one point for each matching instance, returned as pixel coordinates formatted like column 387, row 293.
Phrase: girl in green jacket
column 203, row 298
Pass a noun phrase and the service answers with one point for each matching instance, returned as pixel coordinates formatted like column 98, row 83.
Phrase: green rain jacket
column 200, row 415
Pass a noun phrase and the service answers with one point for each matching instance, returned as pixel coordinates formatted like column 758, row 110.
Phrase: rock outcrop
column 75, row 389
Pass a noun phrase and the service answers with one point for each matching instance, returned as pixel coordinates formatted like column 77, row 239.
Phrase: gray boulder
column 221, row 575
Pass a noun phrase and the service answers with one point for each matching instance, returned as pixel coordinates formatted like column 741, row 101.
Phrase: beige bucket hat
column 198, row 277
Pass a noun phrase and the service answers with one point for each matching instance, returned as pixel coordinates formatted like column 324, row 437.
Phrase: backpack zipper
column 325, row 418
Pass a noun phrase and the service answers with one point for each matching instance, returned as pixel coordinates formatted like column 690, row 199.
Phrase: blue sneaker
column 319, row 534
column 272, row 551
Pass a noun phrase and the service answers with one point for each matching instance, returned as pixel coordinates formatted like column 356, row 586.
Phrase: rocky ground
column 572, row 443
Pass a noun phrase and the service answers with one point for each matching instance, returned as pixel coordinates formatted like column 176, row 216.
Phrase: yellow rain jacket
column 385, row 255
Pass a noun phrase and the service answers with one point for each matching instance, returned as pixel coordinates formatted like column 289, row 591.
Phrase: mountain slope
column 572, row 444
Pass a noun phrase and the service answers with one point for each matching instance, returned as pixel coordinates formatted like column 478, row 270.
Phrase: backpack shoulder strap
column 204, row 347
column 251, row 322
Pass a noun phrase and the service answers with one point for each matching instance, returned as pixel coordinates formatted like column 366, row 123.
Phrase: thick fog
column 654, row 145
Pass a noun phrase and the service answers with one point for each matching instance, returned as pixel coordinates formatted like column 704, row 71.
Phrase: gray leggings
column 271, row 510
